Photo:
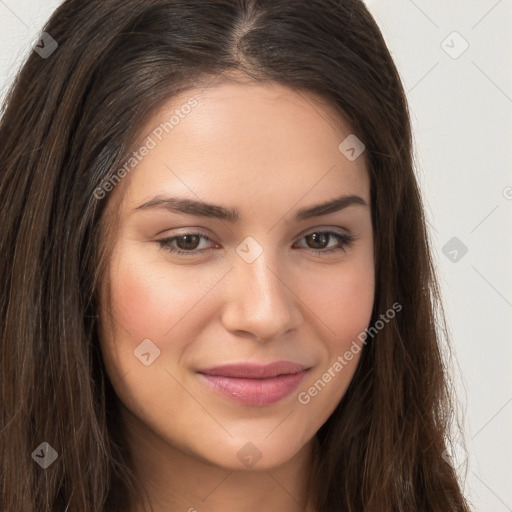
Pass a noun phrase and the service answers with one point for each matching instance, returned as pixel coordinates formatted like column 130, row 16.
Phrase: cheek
column 149, row 299
column 149, row 302
column 344, row 305
column 341, row 300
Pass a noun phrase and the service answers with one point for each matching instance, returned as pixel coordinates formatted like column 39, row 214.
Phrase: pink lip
column 256, row 385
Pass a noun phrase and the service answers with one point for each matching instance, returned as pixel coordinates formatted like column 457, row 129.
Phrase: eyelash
column 346, row 240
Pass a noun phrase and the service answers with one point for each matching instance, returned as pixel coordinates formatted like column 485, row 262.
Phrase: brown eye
column 318, row 241
column 186, row 244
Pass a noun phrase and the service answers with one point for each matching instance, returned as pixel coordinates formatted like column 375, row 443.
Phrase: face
column 233, row 301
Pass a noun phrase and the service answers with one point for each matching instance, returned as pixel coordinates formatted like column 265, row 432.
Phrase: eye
column 188, row 244
column 320, row 241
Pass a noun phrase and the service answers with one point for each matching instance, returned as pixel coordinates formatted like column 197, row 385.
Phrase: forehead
column 246, row 140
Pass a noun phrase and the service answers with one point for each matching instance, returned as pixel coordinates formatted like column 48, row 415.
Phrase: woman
column 218, row 289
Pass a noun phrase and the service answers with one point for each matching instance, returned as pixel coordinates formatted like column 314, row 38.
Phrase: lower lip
column 255, row 392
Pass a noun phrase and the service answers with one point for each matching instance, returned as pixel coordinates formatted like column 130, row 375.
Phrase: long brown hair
column 68, row 122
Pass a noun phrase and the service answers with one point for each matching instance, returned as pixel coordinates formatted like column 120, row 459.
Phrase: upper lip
column 254, row 370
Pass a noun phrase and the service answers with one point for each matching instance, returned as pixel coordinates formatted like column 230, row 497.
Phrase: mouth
column 253, row 384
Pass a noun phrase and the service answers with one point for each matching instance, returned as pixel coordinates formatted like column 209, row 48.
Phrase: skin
column 266, row 151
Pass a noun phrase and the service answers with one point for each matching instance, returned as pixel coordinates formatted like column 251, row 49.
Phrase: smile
column 255, row 385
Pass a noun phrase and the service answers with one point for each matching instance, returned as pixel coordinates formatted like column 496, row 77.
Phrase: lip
column 255, row 384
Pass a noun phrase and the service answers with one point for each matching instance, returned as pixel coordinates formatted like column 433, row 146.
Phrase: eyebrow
column 202, row 209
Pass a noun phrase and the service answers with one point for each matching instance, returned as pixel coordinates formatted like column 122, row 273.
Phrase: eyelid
column 343, row 236
column 306, row 232
column 325, row 229
column 165, row 242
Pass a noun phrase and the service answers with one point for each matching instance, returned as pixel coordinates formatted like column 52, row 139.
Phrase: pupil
column 320, row 238
column 187, row 239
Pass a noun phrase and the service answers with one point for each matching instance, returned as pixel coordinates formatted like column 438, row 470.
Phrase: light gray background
column 461, row 110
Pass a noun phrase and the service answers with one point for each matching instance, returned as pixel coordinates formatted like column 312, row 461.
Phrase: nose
column 261, row 301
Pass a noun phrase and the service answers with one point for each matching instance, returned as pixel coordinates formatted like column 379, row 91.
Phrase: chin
column 252, row 455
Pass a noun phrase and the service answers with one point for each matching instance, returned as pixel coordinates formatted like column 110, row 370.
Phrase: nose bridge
column 264, row 281
column 260, row 302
